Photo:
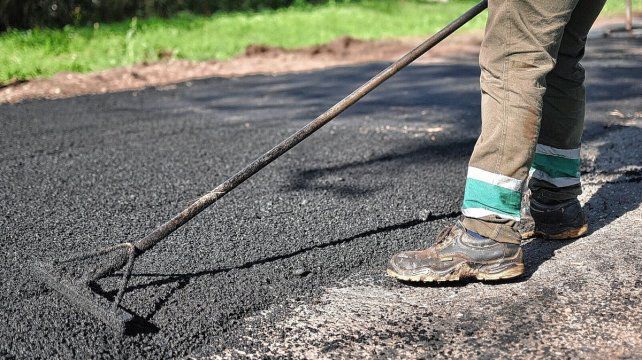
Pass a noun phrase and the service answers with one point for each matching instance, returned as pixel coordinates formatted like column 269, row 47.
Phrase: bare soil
column 257, row 59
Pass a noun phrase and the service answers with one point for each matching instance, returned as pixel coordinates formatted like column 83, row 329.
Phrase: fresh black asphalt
column 85, row 172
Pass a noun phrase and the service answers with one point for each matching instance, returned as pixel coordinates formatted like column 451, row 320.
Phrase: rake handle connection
column 221, row 190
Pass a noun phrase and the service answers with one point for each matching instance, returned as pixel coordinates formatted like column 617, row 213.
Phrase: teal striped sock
column 559, row 167
column 490, row 194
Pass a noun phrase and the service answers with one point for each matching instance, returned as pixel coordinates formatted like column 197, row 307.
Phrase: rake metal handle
column 208, row 199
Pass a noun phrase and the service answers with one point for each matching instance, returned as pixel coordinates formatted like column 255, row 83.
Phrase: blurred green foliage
column 28, row 14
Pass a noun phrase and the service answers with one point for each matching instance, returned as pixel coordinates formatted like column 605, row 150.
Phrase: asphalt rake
column 75, row 277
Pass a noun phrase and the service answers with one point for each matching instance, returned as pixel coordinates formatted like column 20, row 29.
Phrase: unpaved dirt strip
column 315, row 226
column 257, row 59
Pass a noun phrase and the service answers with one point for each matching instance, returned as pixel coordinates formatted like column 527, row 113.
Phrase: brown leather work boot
column 559, row 221
column 459, row 254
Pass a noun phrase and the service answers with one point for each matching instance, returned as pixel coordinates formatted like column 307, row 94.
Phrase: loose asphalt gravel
column 387, row 175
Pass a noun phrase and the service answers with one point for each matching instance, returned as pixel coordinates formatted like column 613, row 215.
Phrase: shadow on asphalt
column 312, row 93
column 142, row 325
column 307, row 179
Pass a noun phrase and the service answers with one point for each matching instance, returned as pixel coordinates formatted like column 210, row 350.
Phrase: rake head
column 75, row 279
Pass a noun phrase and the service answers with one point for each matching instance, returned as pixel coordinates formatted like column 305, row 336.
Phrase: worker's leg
column 556, row 164
column 519, row 49
column 555, row 183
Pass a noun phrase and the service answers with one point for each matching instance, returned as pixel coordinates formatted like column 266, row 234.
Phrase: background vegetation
column 25, row 54
column 27, row 14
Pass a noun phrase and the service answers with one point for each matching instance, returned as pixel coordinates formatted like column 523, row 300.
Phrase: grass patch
column 43, row 52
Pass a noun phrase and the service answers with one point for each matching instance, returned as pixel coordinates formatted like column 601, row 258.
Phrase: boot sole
column 463, row 272
column 564, row 235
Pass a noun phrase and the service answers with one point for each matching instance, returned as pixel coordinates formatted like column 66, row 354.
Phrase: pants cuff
column 494, row 227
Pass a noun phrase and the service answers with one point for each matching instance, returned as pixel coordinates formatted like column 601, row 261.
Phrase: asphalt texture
column 387, row 175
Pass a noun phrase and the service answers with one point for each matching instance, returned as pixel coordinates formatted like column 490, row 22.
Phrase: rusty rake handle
column 208, row 199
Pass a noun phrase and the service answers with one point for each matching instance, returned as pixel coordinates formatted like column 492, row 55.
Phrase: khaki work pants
column 533, row 100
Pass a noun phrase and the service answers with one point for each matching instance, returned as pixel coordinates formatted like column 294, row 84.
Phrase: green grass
column 43, row 52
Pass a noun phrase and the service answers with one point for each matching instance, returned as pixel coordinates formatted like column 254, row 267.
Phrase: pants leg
column 556, row 165
column 521, row 43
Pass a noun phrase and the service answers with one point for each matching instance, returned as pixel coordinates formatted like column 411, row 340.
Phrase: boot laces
column 443, row 234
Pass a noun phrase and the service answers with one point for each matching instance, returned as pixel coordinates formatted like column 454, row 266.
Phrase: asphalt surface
column 387, row 175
